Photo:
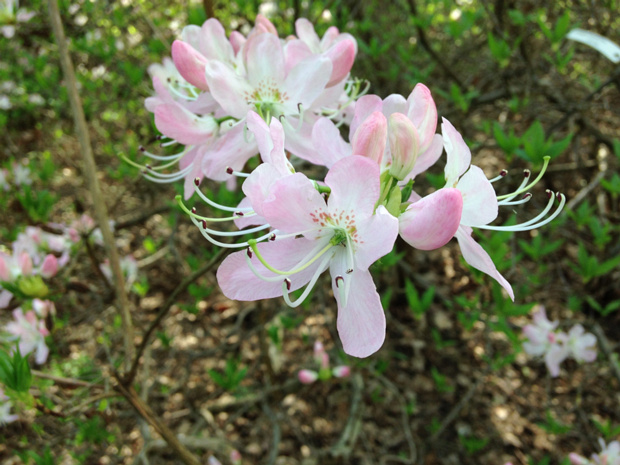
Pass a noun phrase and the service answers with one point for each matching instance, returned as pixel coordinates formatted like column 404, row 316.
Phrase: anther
column 558, row 196
column 249, row 252
column 503, row 173
column 527, row 173
column 288, row 284
column 549, row 193
column 193, row 209
column 197, row 181
column 527, row 195
column 229, row 170
column 339, row 279
column 169, row 80
column 204, row 224
column 141, row 149
column 239, row 213
column 158, row 137
column 148, row 167
column 272, row 237
column 350, row 270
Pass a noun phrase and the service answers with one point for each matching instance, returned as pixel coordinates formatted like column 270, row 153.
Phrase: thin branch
column 131, row 374
column 90, row 171
column 145, row 412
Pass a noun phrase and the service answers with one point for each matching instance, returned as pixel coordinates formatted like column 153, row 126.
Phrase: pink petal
column 432, row 221
column 376, row 236
column 479, row 200
column 305, row 31
column 554, row 357
column 342, row 56
column 292, row 201
column 295, row 51
column 361, row 322
column 265, row 60
column 5, row 274
column 258, row 186
column 264, row 25
column 186, row 128
column 190, row 64
column 306, row 81
column 228, row 88
column 475, row 255
column 404, row 145
column 298, row 140
column 328, row 142
column 459, row 156
column 394, row 103
column 270, row 141
column 239, row 283
column 229, row 150
column 428, row 158
column 354, row 183
column 213, row 42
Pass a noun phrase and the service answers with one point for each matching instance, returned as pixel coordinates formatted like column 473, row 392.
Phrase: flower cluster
column 227, row 98
column 609, row 455
column 556, row 346
column 321, row 358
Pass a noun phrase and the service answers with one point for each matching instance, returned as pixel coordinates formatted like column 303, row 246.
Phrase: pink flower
column 609, row 455
column 341, row 371
column 540, row 335
column 344, row 234
column 582, row 345
column 31, row 333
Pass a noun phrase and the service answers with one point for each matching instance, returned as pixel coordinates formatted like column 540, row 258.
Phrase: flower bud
column 307, row 376
column 33, row 286
column 370, row 138
column 342, row 371
column 404, row 145
column 49, row 268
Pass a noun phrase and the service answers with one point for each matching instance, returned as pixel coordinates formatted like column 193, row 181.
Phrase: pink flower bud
column 371, row 136
column 307, row 376
column 342, row 55
column 25, row 264
column 190, row 64
column 49, row 268
column 342, row 371
column 404, row 145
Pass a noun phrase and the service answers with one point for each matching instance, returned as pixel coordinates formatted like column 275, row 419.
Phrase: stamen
column 533, row 223
column 237, row 211
column 526, row 198
column 176, row 156
column 286, row 285
column 179, row 94
column 224, row 244
column 210, row 220
column 168, row 144
column 248, row 252
column 239, row 174
column 350, row 260
column 252, row 243
column 501, row 175
column 529, row 186
column 342, row 290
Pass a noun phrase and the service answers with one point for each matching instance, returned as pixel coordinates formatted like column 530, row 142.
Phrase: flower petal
column 228, row 88
column 475, row 255
column 371, row 137
column 354, row 183
column 229, row 150
column 186, row 128
column 328, row 142
column 306, row 81
column 265, row 60
column 361, row 322
column 292, row 201
column 377, row 235
column 423, row 113
column 364, row 107
column 342, row 56
column 238, row 282
column 479, row 200
column 459, row 156
column 432, row 221
column 213, row 42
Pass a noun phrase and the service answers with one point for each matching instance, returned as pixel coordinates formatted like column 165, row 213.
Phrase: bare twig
column 145, row 412
column 351, row 431
column 90, row 171
column 131, row 374
column 65, row 381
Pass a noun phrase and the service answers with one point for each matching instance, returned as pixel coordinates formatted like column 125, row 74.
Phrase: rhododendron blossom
column 344, row 233
column 31, row 332
column 609, row 455
column 556, row 346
